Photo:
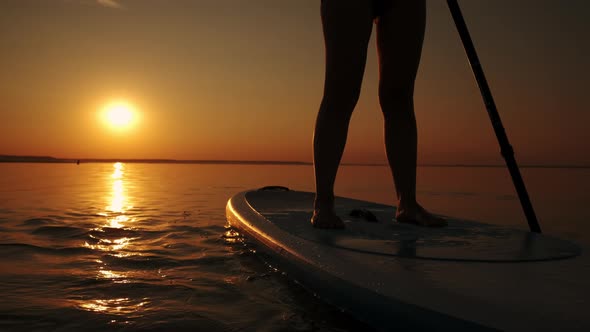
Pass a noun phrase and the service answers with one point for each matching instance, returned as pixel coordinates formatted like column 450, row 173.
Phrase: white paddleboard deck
column 467, row 276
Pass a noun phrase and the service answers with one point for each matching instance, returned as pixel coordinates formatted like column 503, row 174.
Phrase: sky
column 242, row 80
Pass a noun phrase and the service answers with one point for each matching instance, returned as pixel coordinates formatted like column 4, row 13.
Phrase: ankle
column 323, row 203
column 407, row 205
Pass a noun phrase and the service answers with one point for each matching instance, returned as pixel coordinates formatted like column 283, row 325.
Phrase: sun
column 119, row 114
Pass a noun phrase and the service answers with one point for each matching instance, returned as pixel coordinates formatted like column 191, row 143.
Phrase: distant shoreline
column 53, row 160
column 46, row 159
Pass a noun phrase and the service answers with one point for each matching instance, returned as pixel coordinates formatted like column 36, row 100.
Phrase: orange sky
column 237, row 79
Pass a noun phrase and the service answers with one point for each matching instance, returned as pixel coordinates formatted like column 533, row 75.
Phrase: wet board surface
column 461, row 240
column 466, row 276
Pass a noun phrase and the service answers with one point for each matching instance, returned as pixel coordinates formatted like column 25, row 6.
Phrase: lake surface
column 146, row 246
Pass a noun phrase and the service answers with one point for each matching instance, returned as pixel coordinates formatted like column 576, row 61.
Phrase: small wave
column 58, row 217
column 24, row 248
column 82, row 215
column 59, row 231
column 179, row 246
column 151, row 262
column 111, row 232
column 140, row 261
column 200, row 230
column 40, row 222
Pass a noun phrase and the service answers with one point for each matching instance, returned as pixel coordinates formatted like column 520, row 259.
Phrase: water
column 146, row 247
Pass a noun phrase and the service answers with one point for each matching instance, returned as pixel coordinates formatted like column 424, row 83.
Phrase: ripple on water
column 12, row 250
column 40, row 222
column 108, row 255
column 59, row 231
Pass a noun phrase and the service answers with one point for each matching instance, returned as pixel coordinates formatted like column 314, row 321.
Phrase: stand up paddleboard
column 466, row 276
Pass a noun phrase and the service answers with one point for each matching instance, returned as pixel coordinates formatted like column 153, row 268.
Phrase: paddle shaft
column 505, row 147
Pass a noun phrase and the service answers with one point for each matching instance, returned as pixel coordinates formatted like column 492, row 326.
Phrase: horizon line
column 50, row 159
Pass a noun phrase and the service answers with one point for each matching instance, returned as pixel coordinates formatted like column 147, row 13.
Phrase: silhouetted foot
column 326, row 220
column 419, row 216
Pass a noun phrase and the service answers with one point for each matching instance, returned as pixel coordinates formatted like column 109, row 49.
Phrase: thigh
column 347, row 26
column 400, row 35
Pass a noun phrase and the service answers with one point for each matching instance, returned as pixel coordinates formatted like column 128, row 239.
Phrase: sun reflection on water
column 119, row 202
column 116, row 214
column 116, row 277
column 230, row 236
column 119, row 306
column 114, row 238
column 112, row 246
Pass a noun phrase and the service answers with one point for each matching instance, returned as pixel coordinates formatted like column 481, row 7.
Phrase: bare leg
column 400, row 34
column 347, row 28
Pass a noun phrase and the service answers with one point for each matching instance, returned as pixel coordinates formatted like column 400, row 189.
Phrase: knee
column 396, row 99
column 341, row 99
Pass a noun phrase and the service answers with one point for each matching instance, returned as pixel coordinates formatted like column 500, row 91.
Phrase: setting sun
column 119, row 115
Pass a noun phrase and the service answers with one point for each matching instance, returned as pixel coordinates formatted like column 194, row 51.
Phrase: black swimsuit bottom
column 379, row 7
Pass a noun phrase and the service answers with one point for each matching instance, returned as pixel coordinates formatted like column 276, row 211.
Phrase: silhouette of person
column 347, row 26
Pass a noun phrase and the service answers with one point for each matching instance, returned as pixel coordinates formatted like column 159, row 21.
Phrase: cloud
column 110, row 3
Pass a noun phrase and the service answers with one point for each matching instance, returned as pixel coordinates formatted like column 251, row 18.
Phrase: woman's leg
column 347, row 26
column 400, row 35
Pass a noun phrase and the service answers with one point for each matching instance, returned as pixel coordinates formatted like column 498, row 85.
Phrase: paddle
column 505, row 147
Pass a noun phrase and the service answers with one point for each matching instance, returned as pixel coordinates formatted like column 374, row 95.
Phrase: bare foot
column 326, row 220
column 419, row 216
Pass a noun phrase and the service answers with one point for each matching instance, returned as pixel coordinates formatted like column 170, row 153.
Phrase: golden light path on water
column 116, row 215
column 117, row 218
